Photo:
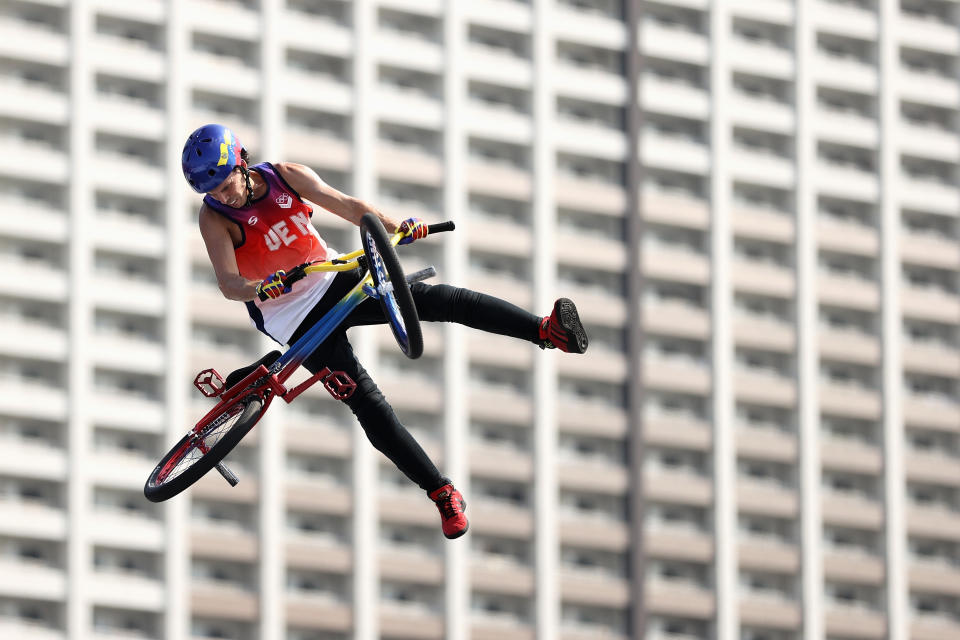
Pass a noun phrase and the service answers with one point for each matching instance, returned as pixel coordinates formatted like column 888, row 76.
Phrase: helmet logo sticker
column 252, row 221
column 225, row 149
column 285, row 201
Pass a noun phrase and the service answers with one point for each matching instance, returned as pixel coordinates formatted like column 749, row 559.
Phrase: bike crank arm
column 387, row 287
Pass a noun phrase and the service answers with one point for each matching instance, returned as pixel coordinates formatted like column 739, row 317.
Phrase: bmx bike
column 247, row 393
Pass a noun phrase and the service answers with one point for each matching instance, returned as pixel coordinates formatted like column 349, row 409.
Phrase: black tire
column 398, row 306
column 189, row 463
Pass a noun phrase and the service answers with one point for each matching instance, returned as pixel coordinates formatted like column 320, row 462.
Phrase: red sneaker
column 451, row 506
column 562, row 329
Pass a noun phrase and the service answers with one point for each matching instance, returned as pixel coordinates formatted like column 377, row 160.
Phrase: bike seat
column 243, row 372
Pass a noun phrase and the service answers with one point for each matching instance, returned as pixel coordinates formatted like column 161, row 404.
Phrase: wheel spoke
column 200, row 444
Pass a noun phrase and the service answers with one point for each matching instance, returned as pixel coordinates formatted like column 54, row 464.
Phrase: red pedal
column 209, row 383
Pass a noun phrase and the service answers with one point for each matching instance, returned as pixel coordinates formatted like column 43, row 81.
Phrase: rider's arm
column 309, row 185
column 216, row 237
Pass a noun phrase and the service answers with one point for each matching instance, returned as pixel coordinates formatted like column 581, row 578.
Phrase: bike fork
column 224, row 470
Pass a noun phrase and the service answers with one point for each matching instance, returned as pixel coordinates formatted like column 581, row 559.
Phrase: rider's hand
column 414, row 228
column 274, row 285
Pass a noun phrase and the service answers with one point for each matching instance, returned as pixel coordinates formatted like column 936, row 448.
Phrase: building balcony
column 25, row 339
column 936, row 577
column 762, row 278
column 224, row 75
column 607, row 365
column 595, row 477
column 390, row 47
column 407, row 565
column 661, row 41
column 853, row 567
column 596, row 305
column 408, row 107
column 929, row 142
column 762, row 168
column 589, row 84
column 928, row 34
column 500, row 405
column 22, row 219
column 770, row 612
column 588, row 28
column 492, row 573
column 766, row 333
column 484, row 626
column 769, row 115
column 329, row 556
column 120, row 469
column 491, row 517
column 679, row 599
column 138, row 413
column 846, row 182
column 836, row 235
column 151, row 11
column 678, row 487
column 128, row 117
column 593, row 140
column 850, row 510
column 505, row 14
column 36, row 102
column 846, row 128
column 317, row 34
column 851, row 20
column 32, row 580
column 676, row 374
column 684, row 432
column 675, row 263
column 45, row 45
column 129, row 58
column 764, row 224
column 125, row 591
column 606, row 253
column 845, row 73
column 515, row 183
column 221, row 542
column 930, row 303
column 596, row 532
column 934, row 358
column 760, row 59
column 675, row 153
column 121, row 174
column 765, row 387
column 28, row 399
column 498, row 123
column 935, row 468
column 850, row 455
column 933, row 522
column 126, row 531
column 590, row 195
column 674, row 208
column 678, row 98
column 776, row 11
column 594, row 588
column 415, row 621
column 929, row 195
column 224, row 601
column 767, row 498
column 850, row 400
column 409, row 165
column 766, row 443
column 316, row 91
column 668, row 542
column 849, row 292
column 26, row 159
column 320, row 613
column 928, row 88
column 18, row 628
column 500, row 351
column 587, row 418
column 128, row 353
column 769, row 555
column 32, row 520
column 497, row 67
column 854, row 621
column 849, row 346
column 128, row 234
column 920, row 411
column 244, row 22
column 319, row 149
column 924, row 627
column 929, row 250
column 669, row 317
column 500, row 462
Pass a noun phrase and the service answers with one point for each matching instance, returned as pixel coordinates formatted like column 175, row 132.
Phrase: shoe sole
column 570, row 322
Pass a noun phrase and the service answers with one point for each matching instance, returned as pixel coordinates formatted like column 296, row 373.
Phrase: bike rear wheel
column 197, row 453
column 392, row 288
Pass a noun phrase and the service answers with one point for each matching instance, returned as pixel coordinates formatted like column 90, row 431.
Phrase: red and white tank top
column 276, row 233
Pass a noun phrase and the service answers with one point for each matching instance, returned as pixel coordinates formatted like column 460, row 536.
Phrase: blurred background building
column 754, row 204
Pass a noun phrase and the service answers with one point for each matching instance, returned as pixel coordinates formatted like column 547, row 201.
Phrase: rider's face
column 232, row 191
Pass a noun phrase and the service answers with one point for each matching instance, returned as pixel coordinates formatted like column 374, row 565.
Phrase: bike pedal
column 209, row 383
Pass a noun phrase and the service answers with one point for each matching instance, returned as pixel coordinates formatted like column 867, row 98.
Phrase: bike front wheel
column 199, row 452
column 391, row 285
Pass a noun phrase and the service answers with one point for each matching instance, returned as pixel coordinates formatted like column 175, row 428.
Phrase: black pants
column 435, row 303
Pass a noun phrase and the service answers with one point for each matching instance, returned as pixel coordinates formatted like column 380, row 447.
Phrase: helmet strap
column 246, row 176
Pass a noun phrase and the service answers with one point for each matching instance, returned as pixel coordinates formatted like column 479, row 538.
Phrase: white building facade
column 754, row 205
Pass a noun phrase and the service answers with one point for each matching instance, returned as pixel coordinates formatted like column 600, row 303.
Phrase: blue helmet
column 209, row 155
